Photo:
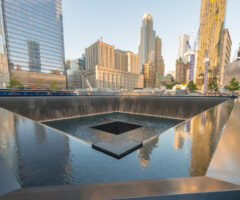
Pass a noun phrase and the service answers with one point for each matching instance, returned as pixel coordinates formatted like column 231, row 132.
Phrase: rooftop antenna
column 101, row 38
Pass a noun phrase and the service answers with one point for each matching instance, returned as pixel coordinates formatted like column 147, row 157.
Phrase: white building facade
column 182, row 47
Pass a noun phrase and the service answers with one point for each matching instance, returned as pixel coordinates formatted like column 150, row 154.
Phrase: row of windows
column 13, row 23
column 47, row 62
column 36, row 70
column 113, row 77
column 25, row 10
column 25, row 50
column 43, row 6
column 25, row 58
column 25, row 38
column 22, row 26
column 36, row 24
column 36, row 39
column 25, row 66
column 29, row 35
column 18, row 43
column 103, row 84
column 51, row 3
column 49, row 6
column 37, row 27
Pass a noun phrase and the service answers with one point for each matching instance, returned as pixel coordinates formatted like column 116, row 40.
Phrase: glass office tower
column 34, row 35
column 34, row 31
column 4, row 71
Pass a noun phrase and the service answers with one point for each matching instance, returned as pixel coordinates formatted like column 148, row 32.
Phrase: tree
column 14, row 83
column 170, row 86
column 212, row 86
column 192, row 86
column 233, row 85
column 53, row 85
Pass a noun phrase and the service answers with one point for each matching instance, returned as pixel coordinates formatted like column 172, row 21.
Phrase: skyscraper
column 149, row 75
column 147, row 41
column 211, row 28
column 225, row 53
column 182, row 47
column 150, row 52
column 31, row 37
column 159, row 62
column 181, row 71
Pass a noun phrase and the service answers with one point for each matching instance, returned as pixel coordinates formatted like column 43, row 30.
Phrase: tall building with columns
column 211, row 30
column 225, row 53
column 159, row 62
column 147, row 42
column 150, row 52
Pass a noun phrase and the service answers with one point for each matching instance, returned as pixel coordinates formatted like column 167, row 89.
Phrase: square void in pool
column 116, row 134
column 117, row 127
column 114, row 128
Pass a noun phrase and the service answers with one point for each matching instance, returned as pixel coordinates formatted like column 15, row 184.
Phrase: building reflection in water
column 39, row 156
column 145, row 152
column 26, row 147
column 204, row 131
column 227, row 156
column 8, row 143
column 182, row 132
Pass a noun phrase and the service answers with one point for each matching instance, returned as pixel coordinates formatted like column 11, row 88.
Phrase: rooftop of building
column 147, row 16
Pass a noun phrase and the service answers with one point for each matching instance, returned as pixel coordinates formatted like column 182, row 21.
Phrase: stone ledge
column 223, row 195
column 146, row 189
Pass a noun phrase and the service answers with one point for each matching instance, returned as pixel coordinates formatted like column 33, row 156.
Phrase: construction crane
column 89, row 85
column 236, row 54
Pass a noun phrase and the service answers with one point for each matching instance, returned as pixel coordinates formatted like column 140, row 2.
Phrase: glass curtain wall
column 34, row 31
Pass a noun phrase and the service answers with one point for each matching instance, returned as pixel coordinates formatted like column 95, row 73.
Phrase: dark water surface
column 85, row 129
column 38, row 155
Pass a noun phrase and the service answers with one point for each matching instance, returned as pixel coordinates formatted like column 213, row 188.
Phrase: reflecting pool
column 39, row 155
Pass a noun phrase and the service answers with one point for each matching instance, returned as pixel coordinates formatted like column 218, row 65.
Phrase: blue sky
column 119, row 22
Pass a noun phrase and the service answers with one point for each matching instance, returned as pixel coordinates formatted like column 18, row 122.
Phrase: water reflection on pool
column 39, row 155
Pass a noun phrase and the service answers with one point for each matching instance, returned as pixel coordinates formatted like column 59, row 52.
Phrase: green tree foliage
column 14, row 83
column 170, row 86
column 233, row 85
column 53, row 85
column 212, row 86
column 192, row 86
